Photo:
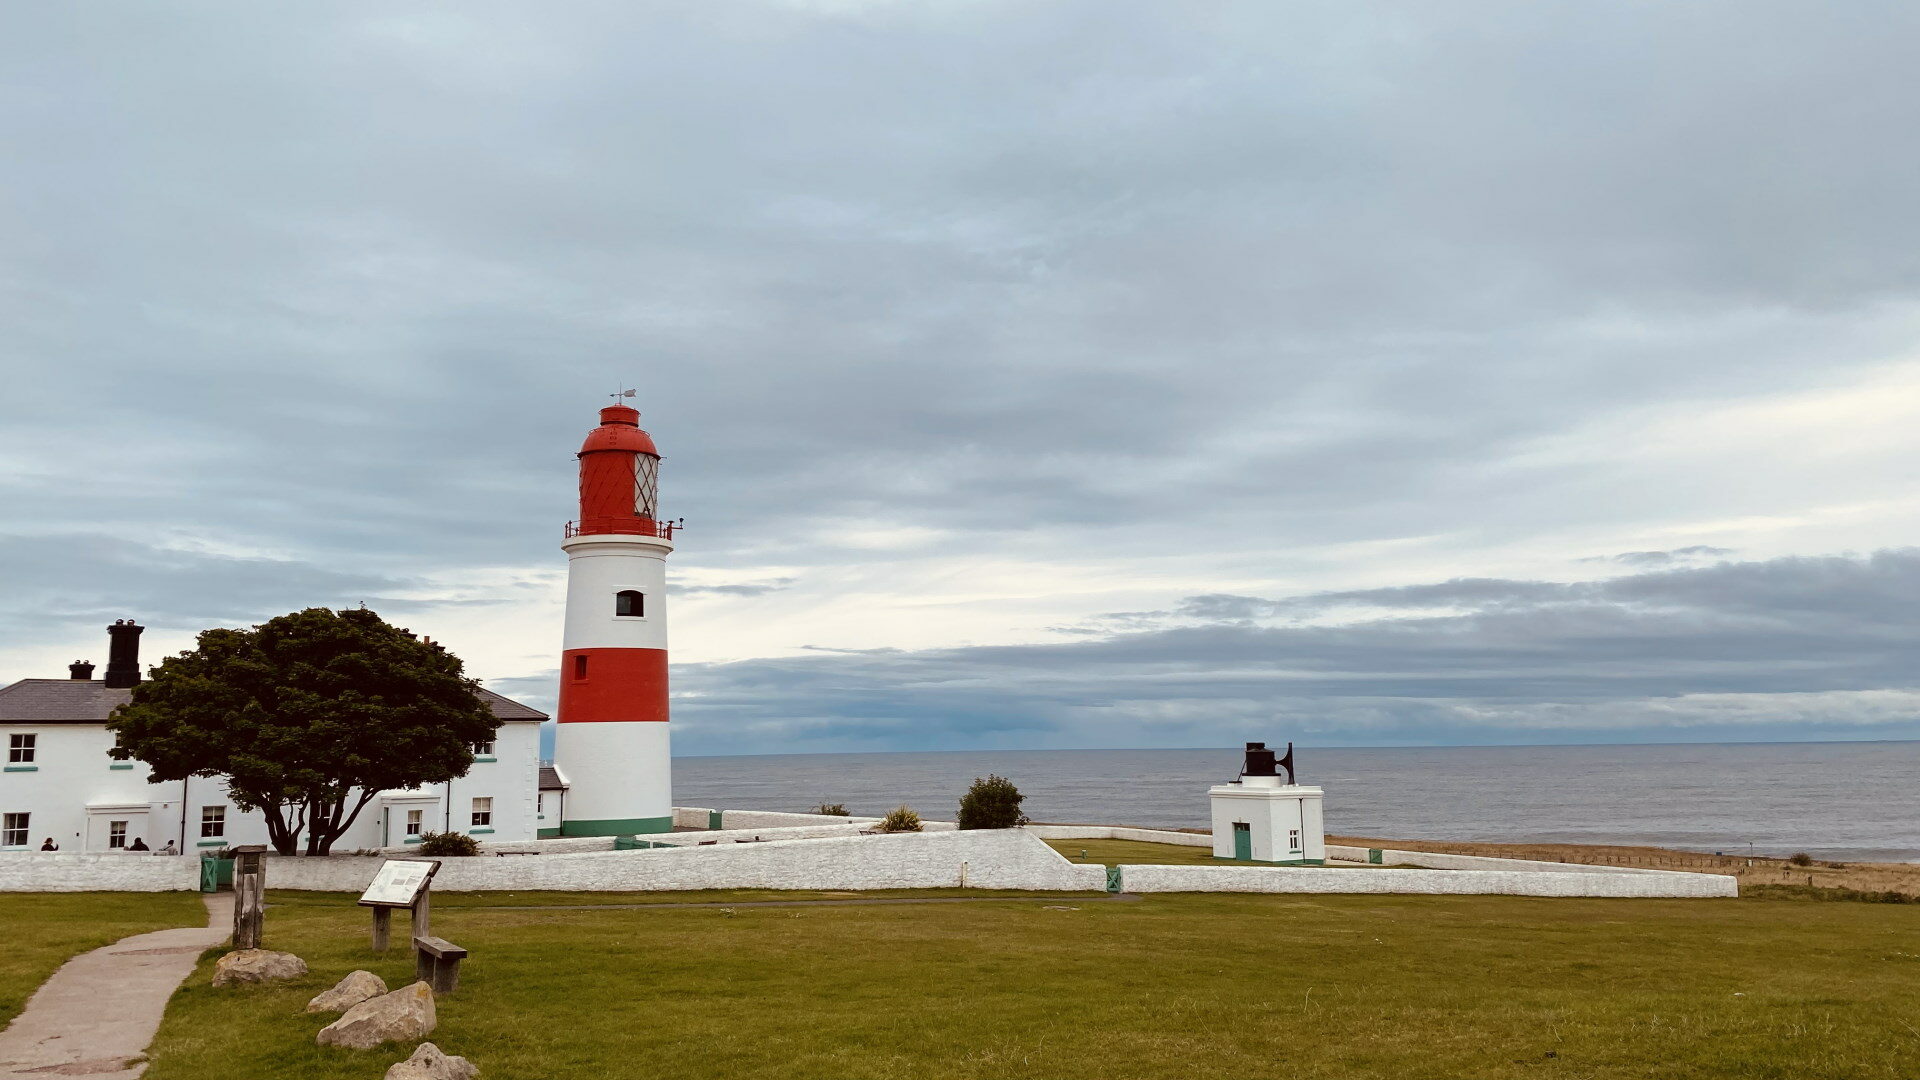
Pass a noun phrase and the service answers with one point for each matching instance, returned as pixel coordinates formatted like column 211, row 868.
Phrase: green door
column 1242, row 840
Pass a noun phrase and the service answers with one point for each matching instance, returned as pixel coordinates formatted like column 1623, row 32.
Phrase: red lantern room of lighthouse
column 611, row 742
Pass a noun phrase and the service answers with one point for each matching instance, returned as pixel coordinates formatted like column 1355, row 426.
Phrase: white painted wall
column 72, row 772
column 1116, row 832
column 137, row 872
column 598, row 567
column 616, row 770
column 988, row 859
column 1284, row 820
column 1314, row 879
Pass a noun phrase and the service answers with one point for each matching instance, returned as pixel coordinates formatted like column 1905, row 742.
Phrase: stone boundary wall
column 984, row 859
column 61, row 872
column 1117, row 832
column 1313, row 879
column 745, row 835
column 1434, row 860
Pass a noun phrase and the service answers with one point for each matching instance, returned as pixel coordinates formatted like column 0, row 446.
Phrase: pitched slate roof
column 59, row 701
column 550, row 779
column 87, row 701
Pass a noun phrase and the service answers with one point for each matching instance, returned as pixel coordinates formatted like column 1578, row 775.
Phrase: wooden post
column 382, row 928
column 249, row 895
column 422, row 915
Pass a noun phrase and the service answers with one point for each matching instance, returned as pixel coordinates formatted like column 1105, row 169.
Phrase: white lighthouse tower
column 611, row 741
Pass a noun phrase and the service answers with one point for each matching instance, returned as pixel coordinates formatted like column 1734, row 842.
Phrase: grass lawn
column 1165, row 986
column 44, row 930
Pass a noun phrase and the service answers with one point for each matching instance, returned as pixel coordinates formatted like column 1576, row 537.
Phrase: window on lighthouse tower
column 630, row 603
column 646, row 485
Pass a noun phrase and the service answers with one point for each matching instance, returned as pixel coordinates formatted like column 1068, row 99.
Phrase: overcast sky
column 1071, row 374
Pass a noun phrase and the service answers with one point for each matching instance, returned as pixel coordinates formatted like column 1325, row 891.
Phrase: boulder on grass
column 255, row 966
column 430, row 1063
column 402, row 1016
column 348, row 992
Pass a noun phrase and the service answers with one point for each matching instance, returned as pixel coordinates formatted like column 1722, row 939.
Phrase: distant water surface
column 1848, row 800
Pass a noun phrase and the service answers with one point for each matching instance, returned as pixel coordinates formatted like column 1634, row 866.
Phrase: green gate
column 1113, row 879
column 215, row 874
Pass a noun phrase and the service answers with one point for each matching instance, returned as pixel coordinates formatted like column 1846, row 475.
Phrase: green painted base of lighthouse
column 617, row 826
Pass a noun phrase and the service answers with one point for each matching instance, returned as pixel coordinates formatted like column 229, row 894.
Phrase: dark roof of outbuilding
column 550, row 779
column 87, row 701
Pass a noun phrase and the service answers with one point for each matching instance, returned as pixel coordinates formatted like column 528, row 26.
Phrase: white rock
column 348, row 992
column 256, row 965
column 430, row 1063
column 402, row 1016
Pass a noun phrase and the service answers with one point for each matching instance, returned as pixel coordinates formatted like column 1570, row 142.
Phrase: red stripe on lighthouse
column 613, row 686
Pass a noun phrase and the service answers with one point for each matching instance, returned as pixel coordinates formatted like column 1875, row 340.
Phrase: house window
column 579, row 668
column 484, row 749
column 116, row 835
column 1293, row 839
column 213, row 822
column 483, row 811
column 13, row 830
column 413, row 824
column 630, row 603
column 20, row 748
column 540, row 804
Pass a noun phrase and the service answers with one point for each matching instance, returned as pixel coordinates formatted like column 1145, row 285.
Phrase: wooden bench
column 436, row 962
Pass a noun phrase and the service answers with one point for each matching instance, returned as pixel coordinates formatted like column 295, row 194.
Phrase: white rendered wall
column 599, row 567
column 986, row 858
column 617, row 771
column 1314, row 879
column 1273, row 813
column 134, row 872
column 72, row 772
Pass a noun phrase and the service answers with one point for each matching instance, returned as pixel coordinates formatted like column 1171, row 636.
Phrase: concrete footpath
column 99, row 1012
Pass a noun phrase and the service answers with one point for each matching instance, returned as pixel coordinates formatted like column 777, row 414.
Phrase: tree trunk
column 338, row 821
column 279, row 835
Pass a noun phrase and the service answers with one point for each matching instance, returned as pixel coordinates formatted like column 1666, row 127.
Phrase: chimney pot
column 80, row 671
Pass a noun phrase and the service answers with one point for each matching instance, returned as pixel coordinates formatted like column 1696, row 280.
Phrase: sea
column 1855, row 801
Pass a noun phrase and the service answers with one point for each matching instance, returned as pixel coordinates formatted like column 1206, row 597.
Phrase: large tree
column 307, row 717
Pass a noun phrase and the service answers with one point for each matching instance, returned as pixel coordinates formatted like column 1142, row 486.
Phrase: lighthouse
column 611, row 741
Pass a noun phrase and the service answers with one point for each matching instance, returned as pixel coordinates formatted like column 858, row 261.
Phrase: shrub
column 902, row 820
column 833, row 809
column 992, row 803
column 1801, row 858
column 448, row 844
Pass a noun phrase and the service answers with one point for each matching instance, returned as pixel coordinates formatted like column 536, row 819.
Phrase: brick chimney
column 123, row 654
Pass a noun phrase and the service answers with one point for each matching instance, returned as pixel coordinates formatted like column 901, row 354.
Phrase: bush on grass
column 904, row 819
column 448, row 844
column 992, row 803
column 832, row 809
column 1801, row 858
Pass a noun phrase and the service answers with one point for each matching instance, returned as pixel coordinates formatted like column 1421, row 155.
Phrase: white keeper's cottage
column 59, row 782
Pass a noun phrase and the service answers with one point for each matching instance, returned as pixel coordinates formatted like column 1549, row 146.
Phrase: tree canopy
column 992, row 803
column 307, row 716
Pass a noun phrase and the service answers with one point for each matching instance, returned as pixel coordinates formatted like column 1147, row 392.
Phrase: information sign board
column 399, row 882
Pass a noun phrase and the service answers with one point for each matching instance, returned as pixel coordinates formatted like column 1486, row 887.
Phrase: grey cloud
column 343, row 282
column 1670, row 652
column 1663, row 558
column 760, row 588
column 992, row 268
